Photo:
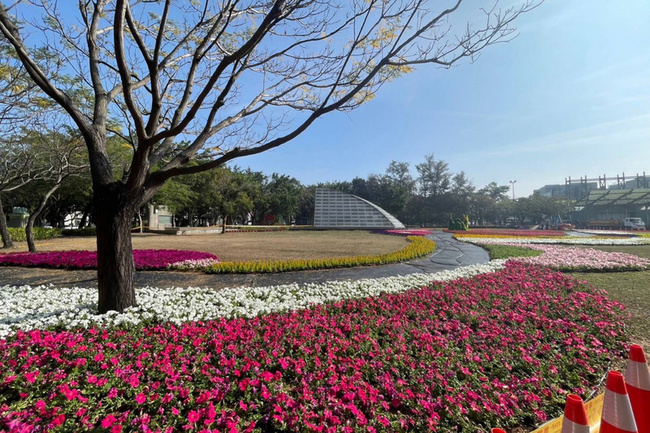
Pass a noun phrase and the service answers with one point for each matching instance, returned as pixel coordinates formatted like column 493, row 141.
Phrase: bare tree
column 17, row 169
column 233, row 77
column 60, row 155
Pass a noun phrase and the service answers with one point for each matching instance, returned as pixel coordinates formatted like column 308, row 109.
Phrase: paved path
column 449, row 255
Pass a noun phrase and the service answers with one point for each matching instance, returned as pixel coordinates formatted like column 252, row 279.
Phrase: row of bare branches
column 216, row 80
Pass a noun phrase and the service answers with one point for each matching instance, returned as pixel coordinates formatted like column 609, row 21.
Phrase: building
column 338, row 210
column 613, row 204
column 572, row 191
column 159, row 218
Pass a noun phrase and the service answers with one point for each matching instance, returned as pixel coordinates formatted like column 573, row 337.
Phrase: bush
column 86, row 231
column 418, row 247
column 40, row 233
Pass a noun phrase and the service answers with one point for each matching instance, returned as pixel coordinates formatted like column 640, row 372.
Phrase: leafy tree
column 284, row 197
column 495, row 191
column 235, row 78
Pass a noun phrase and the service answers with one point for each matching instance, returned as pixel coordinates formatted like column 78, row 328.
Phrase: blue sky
column 570, row 96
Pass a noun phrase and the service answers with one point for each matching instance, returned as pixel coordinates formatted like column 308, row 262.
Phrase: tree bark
column 6, row 237
column 84, row 215
column 115, row 264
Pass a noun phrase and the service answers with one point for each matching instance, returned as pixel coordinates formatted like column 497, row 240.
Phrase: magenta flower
column 493, row 349
column 144, row 259
column 108, row 421
column 193, row 416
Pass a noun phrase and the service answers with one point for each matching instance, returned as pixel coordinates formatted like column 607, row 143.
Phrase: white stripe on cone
column 569, row 426
column 617, row 411
column 637, row 377
column 634, row 375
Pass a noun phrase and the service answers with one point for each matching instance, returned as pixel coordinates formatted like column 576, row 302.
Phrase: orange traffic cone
column 617, row 412
column 637, row 377
column 575, row 416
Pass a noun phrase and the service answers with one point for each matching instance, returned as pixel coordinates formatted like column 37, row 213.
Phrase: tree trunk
column 6, row 237
column 29, row 230
column 115, row 265
column 223, row 227
column 84, row 216
column 140, row 221
column 29, row 234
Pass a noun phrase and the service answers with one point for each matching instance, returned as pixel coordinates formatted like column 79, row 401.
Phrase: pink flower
column 193, row 416
column 140, row 398
column 108, row 421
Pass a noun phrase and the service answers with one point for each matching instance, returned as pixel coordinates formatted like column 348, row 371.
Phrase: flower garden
column 499, row 344
column 144, row 259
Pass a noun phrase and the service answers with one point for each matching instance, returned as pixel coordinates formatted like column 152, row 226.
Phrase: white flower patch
column 26, row 307
column 607, row 232
column 561, row 241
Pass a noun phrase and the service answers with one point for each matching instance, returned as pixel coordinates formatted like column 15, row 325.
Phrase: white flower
column 25, row 307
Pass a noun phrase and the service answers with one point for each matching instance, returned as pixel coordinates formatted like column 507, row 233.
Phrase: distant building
column 572, row 191
column 614, row 204
column 159, row 218
column 336, row 209
column 18, row 218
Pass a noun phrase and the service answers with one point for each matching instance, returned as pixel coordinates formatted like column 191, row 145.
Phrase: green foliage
column 86, row 231
column 507, row 251
column 458, row 223
column 418, row 247
column 40, row 233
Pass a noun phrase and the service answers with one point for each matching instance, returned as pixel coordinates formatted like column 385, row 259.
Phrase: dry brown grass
column 251, row 246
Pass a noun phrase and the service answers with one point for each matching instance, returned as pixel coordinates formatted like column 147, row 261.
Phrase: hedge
column 40, row 233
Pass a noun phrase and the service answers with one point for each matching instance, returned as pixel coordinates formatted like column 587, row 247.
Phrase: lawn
column 285, row 245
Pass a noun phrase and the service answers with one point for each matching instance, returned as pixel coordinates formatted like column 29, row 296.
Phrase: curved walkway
column 450, row 254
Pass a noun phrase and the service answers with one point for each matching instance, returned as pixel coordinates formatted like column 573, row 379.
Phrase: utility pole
column 512, row 183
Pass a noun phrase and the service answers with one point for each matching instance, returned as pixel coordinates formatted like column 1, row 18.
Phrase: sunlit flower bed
column 457, row 356
column 584, row 259
column 144, row 259
column 404, row 232
column 611, row 232
column 25, row 307
column 568, row 240
column 510, row 232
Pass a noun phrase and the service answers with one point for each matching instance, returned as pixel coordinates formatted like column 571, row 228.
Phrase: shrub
column 86, row 231
column 40, row 233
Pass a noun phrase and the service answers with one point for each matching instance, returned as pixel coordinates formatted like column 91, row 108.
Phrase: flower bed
column 462, row 355
column 562, row 241
column 25, row 307
column 404, row 232
column 509, row 232
column 144, row 259
column 584, row 259
column 418, row 247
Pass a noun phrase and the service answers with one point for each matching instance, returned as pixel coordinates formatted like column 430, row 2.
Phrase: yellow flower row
column 418, row 247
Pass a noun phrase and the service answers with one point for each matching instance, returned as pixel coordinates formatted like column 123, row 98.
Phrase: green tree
column 284, row 194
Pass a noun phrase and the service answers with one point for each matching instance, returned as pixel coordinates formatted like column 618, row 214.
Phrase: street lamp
column 512, row 183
